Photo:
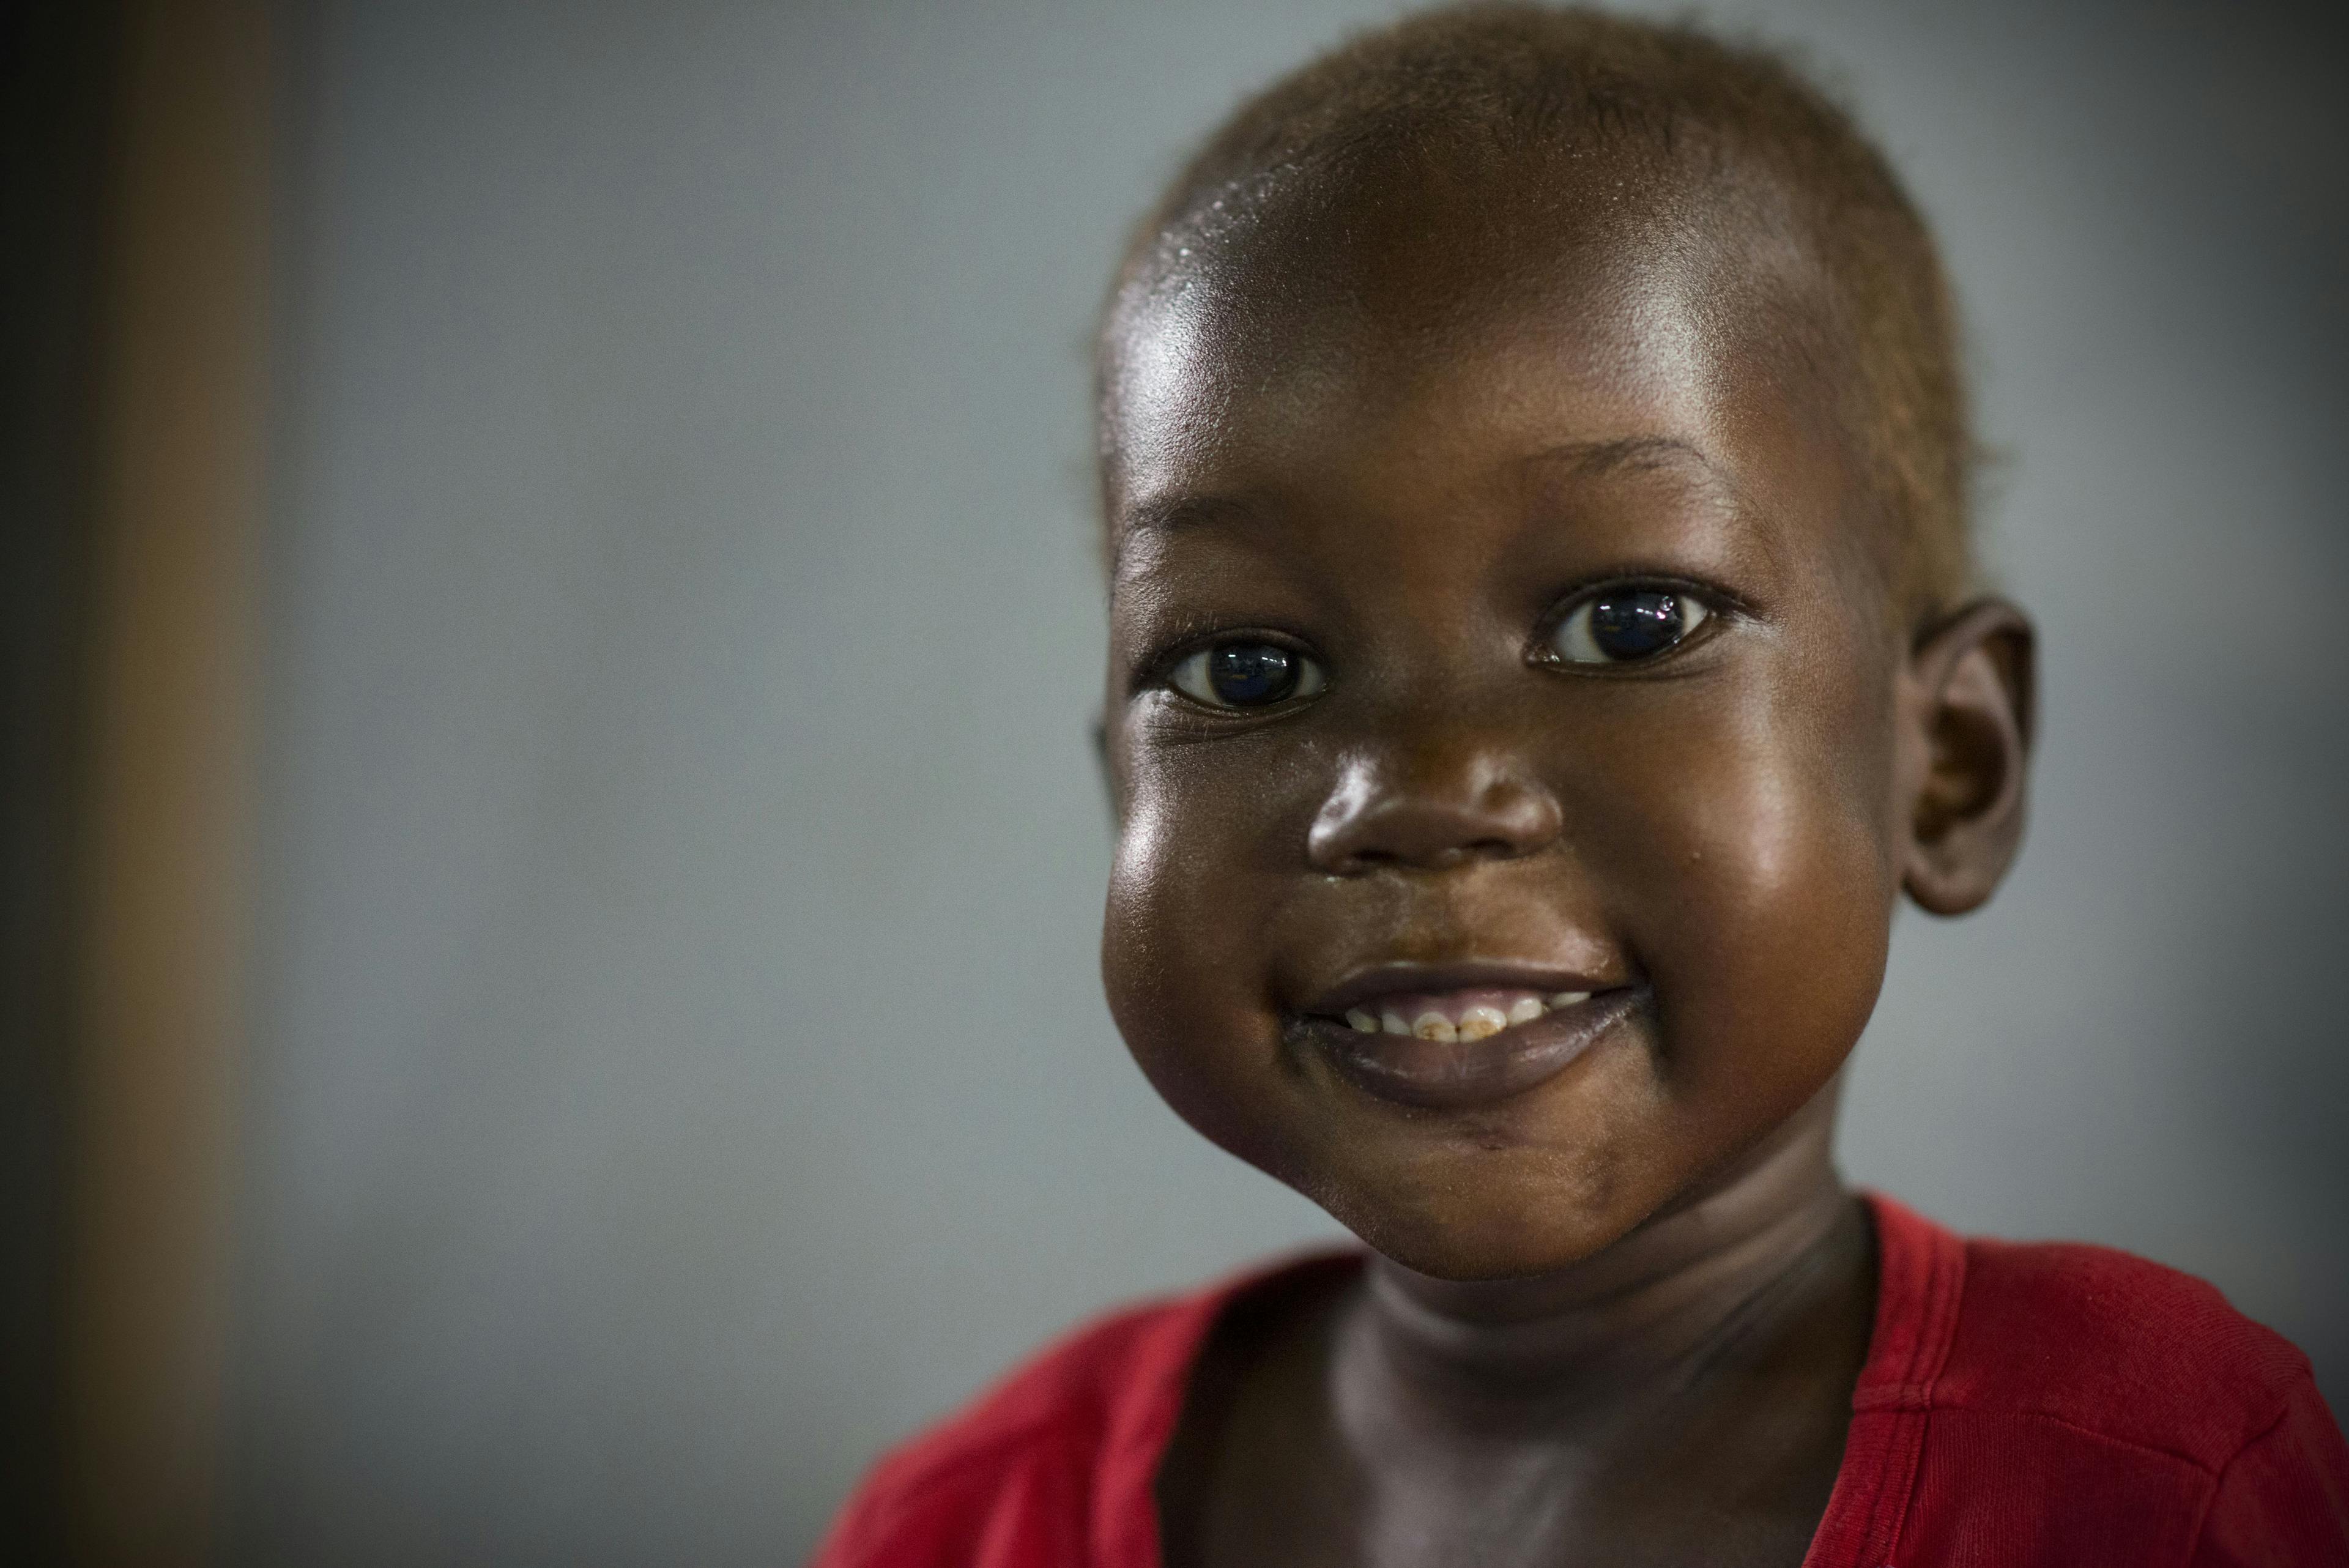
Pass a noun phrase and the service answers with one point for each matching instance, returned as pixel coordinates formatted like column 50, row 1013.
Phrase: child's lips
column 1456, row 1035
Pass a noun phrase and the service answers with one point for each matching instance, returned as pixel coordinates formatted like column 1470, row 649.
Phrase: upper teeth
column 1468, row 1014
column 1482, row 1020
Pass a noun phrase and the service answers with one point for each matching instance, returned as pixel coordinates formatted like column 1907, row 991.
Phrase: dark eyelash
column 1158, row 668
column 1715, row 598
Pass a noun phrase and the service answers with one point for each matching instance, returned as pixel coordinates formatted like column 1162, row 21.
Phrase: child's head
column 1534, row 468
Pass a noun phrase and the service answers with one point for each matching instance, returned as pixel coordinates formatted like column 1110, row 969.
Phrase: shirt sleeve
column 2283, row 1501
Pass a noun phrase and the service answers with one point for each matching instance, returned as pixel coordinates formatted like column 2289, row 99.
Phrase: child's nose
column 1429, row 809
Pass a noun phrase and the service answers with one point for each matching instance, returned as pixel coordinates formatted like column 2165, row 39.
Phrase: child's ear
column 1965, row 703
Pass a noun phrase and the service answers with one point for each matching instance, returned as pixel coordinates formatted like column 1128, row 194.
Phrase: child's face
column 1397, row 725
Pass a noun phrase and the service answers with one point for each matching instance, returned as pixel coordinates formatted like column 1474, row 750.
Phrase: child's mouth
column 1407, row 1036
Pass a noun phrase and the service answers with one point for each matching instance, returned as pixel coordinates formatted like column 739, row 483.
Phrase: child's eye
column 1623, row 626
column 1246, row 675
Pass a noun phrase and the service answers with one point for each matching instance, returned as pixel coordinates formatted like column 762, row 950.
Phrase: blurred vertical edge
column 136, row 162
column 55, row 103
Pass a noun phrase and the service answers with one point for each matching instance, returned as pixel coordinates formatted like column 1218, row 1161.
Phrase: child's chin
column 1466, row 1259
column 1486, row 1235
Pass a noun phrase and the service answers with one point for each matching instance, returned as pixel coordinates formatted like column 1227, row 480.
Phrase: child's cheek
column 1757, row 895
column 1183, row 956
column 1766, row 962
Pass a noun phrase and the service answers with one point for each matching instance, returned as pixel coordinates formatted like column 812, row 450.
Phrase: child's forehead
column 1466, row 320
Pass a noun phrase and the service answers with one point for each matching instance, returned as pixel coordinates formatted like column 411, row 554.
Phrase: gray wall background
column 681, row 1067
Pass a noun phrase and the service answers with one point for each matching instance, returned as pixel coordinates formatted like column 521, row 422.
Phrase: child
column 1542, row 650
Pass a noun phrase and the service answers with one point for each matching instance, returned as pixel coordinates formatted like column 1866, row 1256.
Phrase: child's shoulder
column 2098, row 1340
column 1069, row 1440
column 1038, row 1430
column 2106, row 1407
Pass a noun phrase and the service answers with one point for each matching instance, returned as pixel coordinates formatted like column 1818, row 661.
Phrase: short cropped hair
column 1531, row 76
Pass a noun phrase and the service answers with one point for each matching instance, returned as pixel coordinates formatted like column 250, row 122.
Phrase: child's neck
column 1682, row 1396
column 1635, row 1327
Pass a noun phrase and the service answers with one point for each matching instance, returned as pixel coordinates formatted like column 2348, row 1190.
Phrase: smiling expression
column 1501, row 707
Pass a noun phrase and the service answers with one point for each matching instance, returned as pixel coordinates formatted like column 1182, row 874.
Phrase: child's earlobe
column 1966, row 715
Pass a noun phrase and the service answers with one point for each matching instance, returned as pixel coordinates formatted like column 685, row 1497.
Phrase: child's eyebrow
column 1162, row 516
column 1638, row 452
column 1646, row 454
column 1173, row 513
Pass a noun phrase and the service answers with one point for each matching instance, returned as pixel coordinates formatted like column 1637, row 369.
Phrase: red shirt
column 2056, row 1405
